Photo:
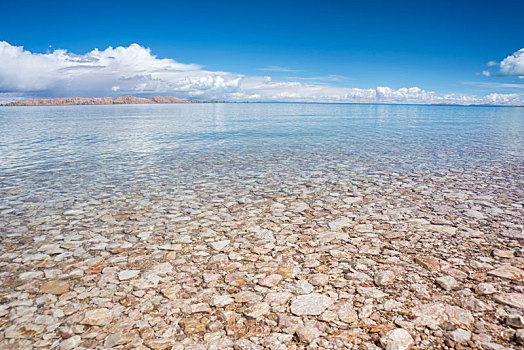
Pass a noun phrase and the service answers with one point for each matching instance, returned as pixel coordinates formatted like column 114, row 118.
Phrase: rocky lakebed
column 390, row 260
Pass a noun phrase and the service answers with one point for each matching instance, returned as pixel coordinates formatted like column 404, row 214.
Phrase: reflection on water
column 67, row 150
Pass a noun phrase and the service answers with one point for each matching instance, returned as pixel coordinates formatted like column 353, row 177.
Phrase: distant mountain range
column 101, row 101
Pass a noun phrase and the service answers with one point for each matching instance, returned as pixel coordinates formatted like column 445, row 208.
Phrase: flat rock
column 55, row 287
column 97, row 317
column 371, row 292
column 221, row 300
column 128, row 274
column 508, row 271
column 247, row 297
column 446, row 282
column 31, row 275
column 219, row 245
column 303, row 287
column 195, row 308
column 278, row 298
column 289, row 324
column 160, row 343
column 503, row 253
column 345, row 312
column 384, row 278
column 363, row 228
column 308, row 333
column 171, row 292
column 310, row 304
column 256, row 310
column 192, row 326
column 485, row 289
column 270, row 281
column 73, row 212
column 512, row 299
column 434, row 314
column 70, row 343
column 428, row 262
column 459, row 335
column 339, row 223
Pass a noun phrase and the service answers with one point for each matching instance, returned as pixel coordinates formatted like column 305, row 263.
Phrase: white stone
column 128, row 274
column 446, row 282
column 371, row 292
column 257, row 309
column 219, row 245
column 221, row 300
column 310, row 304
column 70, row 343
column 397, row 339
column 460, row 335
column 97, row 317
column 30, row 275
column 339, row 223
column 363, row 228
column 384, row 278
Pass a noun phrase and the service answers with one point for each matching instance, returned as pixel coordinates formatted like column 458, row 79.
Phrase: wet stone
column 55, row 287
column 512, row 299
column 310, row 304
column 460, row 335
column 70, row 343
column 270, row 281
column 371, row 292
column 256, row 310
column 128, row 274
column 510, row 272
column 384, row 278
column 339, row 223
column 485, row 289
column 97, row 317
column 428, row 262
column 308, row 334
column 397, row 339
column 219, row 245
column 219, row 251
column 515, row 321
column 446, row 282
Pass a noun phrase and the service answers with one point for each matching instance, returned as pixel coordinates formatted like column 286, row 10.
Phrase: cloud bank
column 513, row 65
column 135, row 70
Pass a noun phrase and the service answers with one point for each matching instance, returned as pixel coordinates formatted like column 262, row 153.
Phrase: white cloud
column 134, row 70
column 513, row 64
column 278, row 69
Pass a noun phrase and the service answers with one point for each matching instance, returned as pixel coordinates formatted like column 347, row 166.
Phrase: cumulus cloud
column 135, row 70
column 513, row 64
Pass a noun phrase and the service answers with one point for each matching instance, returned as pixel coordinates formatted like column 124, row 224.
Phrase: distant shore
column 102, row 101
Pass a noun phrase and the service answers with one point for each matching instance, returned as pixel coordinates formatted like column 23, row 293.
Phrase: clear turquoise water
column 70, row 151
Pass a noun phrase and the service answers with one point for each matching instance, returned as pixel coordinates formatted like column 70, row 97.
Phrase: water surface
column 66, row 152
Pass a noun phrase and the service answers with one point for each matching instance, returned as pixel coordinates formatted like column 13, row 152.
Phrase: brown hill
column 99, row 101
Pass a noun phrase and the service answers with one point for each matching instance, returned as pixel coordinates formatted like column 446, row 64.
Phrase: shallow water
column 66, row 152
column 146, row 213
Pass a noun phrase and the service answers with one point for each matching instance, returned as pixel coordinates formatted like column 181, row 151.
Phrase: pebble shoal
column 390, row 260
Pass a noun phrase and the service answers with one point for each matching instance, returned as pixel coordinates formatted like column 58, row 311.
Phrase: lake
column 203, row 226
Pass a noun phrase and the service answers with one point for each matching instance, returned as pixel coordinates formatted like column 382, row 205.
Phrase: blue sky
column 440, row 46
